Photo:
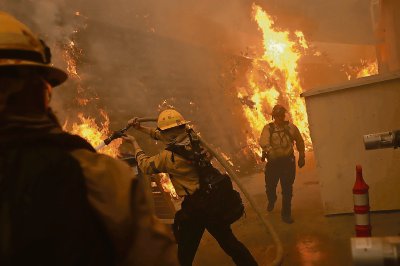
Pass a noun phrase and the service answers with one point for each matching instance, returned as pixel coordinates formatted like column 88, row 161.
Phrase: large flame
column 87, row 127
column 273, row 78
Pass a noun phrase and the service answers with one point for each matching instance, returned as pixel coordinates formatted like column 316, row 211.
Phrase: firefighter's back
column 45, row 216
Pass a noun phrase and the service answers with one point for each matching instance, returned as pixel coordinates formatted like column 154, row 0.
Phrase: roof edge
column 351, row 84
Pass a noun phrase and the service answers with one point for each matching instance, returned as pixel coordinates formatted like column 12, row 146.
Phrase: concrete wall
column 339, row 117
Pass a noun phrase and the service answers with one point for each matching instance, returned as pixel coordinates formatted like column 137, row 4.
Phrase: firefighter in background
column 276, row 141
column 210, row 204
column 61, row 203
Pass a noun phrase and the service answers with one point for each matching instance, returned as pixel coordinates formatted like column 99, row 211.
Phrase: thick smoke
column 138, row 54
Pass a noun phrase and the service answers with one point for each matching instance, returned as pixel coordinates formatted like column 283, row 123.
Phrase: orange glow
column 273, row 78
column 88, row 129
column 167, row 185
column 364, row 69
column 69, row 54
column 368, row 68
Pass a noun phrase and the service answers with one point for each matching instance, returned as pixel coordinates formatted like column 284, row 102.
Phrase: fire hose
column 119, row 133
column 279, row 249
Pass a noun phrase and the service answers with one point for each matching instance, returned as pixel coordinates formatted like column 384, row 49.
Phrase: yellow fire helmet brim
column 53, row 75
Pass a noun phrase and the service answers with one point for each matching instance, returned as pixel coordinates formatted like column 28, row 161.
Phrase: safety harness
column 286, row 130
column 197, row 156
column 216, row 201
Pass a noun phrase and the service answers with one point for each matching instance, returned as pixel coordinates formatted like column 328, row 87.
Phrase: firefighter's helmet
column 170, row 118
column 278, row 110
column 19, row 47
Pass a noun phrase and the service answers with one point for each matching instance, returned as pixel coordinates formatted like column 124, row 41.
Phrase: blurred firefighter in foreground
column 276, row 142
column 210, row 202
column 61, row 203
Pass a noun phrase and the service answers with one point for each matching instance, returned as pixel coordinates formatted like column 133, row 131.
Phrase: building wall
column 386, row 22
column 339, row 117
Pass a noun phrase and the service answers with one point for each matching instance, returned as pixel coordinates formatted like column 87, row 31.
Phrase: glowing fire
column 167, row 185
column 88, row 129
column 365, row 69
column 273, row 78
column 368, row 70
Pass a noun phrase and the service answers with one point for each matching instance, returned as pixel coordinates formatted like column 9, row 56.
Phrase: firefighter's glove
column 134, row 122
column 301, row 162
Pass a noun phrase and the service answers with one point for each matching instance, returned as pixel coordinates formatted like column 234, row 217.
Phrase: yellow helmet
column 19, row 47
column 170, row 118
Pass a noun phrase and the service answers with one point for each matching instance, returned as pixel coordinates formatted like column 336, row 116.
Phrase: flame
column 88, row 129
column 273, row 78
column 167, row 185
column 365, row 69
column 368, row 70
column 70, row 54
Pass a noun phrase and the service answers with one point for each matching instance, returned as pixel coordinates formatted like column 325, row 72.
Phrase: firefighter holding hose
column 276, row 141
column 210, row 202
column 61, row 203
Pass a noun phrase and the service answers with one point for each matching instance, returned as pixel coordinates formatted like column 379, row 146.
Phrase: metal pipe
column 390, row 139
column 376, row 251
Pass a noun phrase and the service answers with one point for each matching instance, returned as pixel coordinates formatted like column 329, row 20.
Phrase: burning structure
column 226, row 81
column 224, row 65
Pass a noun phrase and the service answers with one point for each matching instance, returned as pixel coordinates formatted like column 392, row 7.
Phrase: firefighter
column 61, row 203
column 197, row 213
column 276, row 141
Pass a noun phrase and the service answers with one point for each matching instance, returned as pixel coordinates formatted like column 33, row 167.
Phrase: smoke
column 133, row 55
column 51, row 19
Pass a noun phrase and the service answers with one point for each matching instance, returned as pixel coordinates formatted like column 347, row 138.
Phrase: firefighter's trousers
column 190, row 232
column 283, row 170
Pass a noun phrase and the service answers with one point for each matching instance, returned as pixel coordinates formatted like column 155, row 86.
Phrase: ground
column 313, row 239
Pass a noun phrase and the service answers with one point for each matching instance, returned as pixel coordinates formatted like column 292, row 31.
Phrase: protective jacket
column 209, row 194
column 183, row 174
column 63, row 204
column 277, row 142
